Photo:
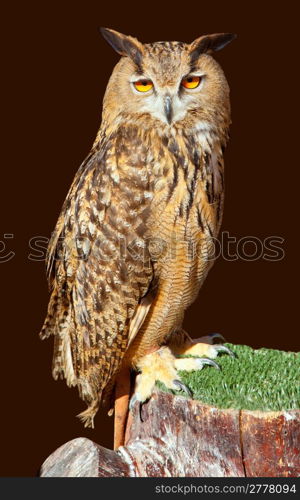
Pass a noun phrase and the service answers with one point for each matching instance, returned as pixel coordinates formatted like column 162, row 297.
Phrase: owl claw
column 140, row 411
column 207, row 361
column 223, row 348
column 132, row 402
column 182, row 387
column 216, row 336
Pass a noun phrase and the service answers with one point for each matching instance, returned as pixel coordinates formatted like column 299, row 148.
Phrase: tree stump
column 181, row 437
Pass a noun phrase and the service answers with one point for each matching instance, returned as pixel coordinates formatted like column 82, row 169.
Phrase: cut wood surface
column 182, row 437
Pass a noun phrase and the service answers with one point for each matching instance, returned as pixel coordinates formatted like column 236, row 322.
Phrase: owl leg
column 210, row 346
column 122, row 394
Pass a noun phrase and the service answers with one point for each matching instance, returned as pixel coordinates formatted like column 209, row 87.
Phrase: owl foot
column 163, row 366
column 156, row 366
column 204, row 346
column 87, row 416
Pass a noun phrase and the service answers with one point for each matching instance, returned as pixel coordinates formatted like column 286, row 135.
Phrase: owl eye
column 143, row 85
column 191, row 82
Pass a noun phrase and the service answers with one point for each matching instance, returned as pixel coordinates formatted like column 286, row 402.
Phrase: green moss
column 262, row 379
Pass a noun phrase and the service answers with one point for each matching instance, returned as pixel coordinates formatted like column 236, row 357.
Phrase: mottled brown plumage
column 132, row 244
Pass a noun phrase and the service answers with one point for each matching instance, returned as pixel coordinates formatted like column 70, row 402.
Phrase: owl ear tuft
column 209, row 43
column 123, row 44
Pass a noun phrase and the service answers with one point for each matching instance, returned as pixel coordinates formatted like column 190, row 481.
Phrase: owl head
column 175, row 83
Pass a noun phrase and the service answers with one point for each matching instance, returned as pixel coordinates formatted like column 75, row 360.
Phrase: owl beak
column 168, row 108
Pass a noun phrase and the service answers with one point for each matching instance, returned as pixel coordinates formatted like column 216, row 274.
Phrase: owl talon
column 182, row 387
column 207, row 361
column 140, row 412
column 217, row 337
column 223, row 348
column 132, row 402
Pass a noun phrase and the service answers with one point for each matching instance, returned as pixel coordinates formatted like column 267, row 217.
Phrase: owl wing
column 99, row 270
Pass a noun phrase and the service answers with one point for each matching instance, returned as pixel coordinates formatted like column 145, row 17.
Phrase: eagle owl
column 133, row 242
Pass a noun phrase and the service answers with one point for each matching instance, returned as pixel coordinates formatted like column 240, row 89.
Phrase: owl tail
column 49, row 325
column 59, row 322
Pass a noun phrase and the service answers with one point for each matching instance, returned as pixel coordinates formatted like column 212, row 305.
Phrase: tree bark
column 182, row 437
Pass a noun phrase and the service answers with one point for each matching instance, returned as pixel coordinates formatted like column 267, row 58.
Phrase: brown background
column 57, row 70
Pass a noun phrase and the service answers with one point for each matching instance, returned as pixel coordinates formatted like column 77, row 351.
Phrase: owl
column 135, row 237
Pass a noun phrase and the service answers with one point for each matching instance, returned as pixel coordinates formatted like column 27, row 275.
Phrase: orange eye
column 143, row 85
column 191, row 82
